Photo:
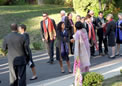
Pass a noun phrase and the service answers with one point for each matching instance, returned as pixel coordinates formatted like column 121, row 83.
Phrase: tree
column 82, row 6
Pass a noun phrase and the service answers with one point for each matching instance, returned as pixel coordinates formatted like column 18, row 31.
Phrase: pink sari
column 82, row 55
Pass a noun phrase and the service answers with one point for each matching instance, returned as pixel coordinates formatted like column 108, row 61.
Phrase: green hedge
column 92, row 79
column 37, row 45
column 3, row 53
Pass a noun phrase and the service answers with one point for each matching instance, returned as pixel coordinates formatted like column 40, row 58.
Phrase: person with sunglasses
column 48, row 34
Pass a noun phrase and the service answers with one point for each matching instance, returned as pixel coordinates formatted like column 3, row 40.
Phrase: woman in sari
column 81, row 53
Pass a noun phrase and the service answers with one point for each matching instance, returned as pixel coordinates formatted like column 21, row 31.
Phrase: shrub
column 92, row 79
column 121, row 71
column 48, row 1
column 59, row 2
column 2, row 52
column 2, row 2
column 37, row 45
column 68, row 3
column 19, row 2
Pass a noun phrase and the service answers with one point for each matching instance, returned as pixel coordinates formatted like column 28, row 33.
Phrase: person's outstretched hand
column 72, row 40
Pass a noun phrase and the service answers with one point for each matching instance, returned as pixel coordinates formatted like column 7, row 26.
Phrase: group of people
column 81, row 38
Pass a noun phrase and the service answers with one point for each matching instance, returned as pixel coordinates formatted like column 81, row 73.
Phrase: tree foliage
column 82, row 6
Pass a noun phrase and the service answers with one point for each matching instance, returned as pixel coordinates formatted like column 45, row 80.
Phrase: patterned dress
column 82, row 55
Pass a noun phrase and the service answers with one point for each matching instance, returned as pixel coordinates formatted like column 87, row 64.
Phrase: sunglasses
column 44, row 16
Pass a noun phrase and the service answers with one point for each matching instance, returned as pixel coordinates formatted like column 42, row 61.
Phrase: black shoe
column 106, row 53
column 62, row 71
column 112, row 57
column 50, row 62
column 72, row 53
column 101, row 54
column 93, row 55
column 70, row 72
column 0, row 81
column 117, row 54
column 34, row 78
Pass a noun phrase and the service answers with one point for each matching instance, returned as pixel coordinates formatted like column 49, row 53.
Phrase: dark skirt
column 111, row 40
column 118, row 41
column 58, row 55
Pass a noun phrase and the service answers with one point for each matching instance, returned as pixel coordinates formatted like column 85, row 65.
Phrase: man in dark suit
column 93, row 18
column 22, row 30
column 48, row 35
column 16, row 46
column 101, row 35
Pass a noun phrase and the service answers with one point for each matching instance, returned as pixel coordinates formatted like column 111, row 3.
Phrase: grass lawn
column 115, row 81
column 31, row 15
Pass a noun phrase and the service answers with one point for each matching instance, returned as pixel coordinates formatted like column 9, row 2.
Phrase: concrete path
column 108, row 69
column 50, row 75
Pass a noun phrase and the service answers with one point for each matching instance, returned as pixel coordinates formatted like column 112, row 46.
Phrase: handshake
column 2, row 52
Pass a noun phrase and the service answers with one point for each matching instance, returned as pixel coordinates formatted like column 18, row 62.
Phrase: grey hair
column 110, row 15
column 120, row 14
column 63, row 12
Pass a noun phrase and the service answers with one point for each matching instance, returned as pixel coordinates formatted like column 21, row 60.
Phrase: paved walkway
column 50, row 75
column 108, row 69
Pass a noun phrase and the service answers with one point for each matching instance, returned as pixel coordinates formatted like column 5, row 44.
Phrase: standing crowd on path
column 81, row 39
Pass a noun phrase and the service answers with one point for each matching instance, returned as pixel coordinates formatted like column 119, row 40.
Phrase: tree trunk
column 40, row 2
column 100, row 5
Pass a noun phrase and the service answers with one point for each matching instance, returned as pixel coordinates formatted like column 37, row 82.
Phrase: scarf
column 51, row 30
column 91, row 34
column 104, row 28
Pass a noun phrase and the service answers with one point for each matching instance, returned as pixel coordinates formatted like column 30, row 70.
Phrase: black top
column 110, row 32
column 27, row 38
column 68, row 26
